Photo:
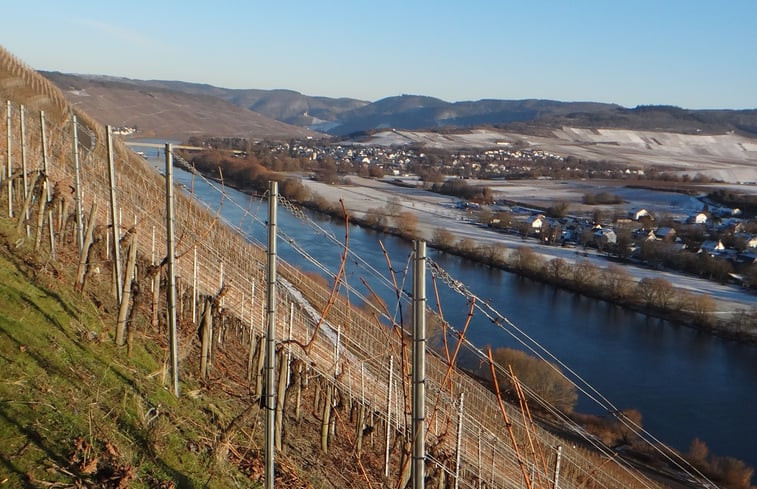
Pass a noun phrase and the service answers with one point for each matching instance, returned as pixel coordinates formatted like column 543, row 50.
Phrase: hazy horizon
column 685, row 54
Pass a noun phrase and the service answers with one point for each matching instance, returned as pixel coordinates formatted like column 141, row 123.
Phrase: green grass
column 74, row 409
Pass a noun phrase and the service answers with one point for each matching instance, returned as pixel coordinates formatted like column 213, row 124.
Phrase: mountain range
column 193, row 108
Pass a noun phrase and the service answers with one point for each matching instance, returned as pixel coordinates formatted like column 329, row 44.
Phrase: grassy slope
column 74, row 408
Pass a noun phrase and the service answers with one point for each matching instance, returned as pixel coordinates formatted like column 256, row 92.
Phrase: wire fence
column 362, row 351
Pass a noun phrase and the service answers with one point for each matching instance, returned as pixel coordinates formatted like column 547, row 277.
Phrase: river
column 685, row 383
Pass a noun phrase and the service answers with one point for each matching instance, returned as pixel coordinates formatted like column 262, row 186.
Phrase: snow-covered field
column 727, row 157
column 436, row 211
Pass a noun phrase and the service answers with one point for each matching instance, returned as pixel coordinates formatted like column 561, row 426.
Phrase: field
column 435, row 211
column 728, row 157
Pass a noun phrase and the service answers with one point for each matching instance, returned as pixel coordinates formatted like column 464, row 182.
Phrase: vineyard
column 353, row 362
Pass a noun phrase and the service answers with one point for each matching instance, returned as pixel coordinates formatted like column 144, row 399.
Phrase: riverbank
column 671, row 374
column 415, row 213
column 652, row 293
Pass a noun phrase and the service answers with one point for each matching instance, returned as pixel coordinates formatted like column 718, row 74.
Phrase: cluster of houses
column 401, row 160
column 640, row 226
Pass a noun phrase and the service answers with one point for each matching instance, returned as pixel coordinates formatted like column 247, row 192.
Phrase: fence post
column 270, row 345
column 114, row 221
column 170, row 254
column 194, row 287
column 79, row 199
column 46, row 192
column 9, row 163
column 459, row 440
column 24, row 169
column 480, row 466
column 289, row 341
column 419, row 365
column 558, row 458
column 388, row 415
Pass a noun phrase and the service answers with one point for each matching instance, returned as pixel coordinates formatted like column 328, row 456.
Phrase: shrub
column 545, row 379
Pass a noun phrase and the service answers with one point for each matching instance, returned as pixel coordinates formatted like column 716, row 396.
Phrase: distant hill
column 417, row 112
column 342, row 116
column 283, row 105
column 159, row 111
column 664, row 118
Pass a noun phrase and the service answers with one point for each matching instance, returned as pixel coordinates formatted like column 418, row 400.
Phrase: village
column 696, row 235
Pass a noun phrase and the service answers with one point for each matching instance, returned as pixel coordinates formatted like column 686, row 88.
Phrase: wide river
column 685, row 383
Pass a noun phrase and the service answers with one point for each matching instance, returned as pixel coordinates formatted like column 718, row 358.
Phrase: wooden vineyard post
column 558, row 459
column 49, row 193
column 326, row 416
column 286, row 358
column 9, row 160
column 24, row 169
column 171, row 288
column 77, row 183
column 388, row 416
column 260, row 352
column 360, row 429
column 251, row 351
column 299, row 379
column 81, row 272
column 114, row 221
column 206, row 325
column 123, row 310
column 194, row 287
column 24, row 217
column 458, row 451
column 154, row 321
column 281, row 396
column 45, row 194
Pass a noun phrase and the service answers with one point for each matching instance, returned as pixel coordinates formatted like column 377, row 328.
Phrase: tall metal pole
column 77, row 167
column 10, row 161
column 419, row 365
column 171, row 287
column 458, row 450
column 114, row 213
column 270, row 339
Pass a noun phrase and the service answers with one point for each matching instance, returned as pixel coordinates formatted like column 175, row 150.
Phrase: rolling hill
column 135, row 100
column 163, row 112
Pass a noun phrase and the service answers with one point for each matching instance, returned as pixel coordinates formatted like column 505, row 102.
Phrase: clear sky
column 690, row 53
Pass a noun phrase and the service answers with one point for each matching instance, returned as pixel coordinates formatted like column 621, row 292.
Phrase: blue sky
column 694, row 54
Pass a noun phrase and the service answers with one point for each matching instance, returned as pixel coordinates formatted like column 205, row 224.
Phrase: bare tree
column 443, row 238
column 407, row 224
column 585, row 274
column 557, row 269
column 617, row 282
column 527, row 259
column 656, row 292
column 543, row 378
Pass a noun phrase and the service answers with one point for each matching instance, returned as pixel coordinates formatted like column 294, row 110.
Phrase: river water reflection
column 686, row 384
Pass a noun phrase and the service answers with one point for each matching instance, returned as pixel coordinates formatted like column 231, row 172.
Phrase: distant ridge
column 342, row 116
column 158, row 111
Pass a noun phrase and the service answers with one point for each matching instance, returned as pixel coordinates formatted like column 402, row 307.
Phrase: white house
column 637, row 214
column 698, row 218
column 536, row 222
